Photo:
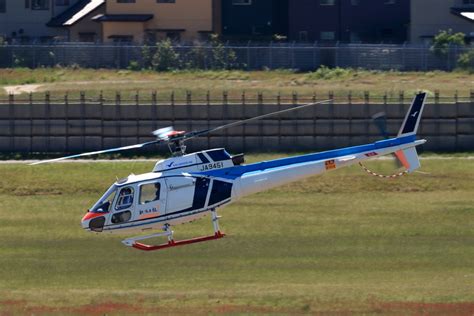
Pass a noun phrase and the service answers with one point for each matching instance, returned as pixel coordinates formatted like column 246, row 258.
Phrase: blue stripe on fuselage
column 237, row 171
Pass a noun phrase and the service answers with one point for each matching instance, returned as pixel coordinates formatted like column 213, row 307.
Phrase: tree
column 222, row 57
column 466, row 61
column 444, row 39
column 165, row 57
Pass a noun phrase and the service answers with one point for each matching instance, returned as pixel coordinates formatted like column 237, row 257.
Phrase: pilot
column 126, row 197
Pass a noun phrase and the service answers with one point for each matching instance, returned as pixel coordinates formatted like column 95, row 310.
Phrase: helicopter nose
column 93, row 221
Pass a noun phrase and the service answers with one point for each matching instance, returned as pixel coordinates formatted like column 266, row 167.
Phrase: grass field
column 342, row 243
column 61, row 80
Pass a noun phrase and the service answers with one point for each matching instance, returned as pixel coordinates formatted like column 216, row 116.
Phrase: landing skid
column 133, row 242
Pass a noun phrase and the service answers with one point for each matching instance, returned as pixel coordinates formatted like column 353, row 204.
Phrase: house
column 349, row 21
column 77, row 21
column 36, row 20
column 254, row 19
column 148, row 21
column 428, row 17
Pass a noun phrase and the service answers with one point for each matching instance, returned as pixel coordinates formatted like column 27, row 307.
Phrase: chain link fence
column 248, row 57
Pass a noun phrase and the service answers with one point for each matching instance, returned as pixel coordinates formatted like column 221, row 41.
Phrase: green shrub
column 165, row 57
column 147, row 56
column 222, row 57
column 197, row 57
column 134, row 65
column 326, row 73
column 444, row 40
column 466, row 61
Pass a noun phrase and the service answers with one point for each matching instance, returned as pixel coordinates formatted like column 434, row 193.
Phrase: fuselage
column 182, row 189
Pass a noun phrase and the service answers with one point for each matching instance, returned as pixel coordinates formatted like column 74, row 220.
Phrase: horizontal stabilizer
column 408, row 158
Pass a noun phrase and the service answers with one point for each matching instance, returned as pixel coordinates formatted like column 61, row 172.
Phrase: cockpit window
column 125, row 198
column 150, row 192
column 103, row 206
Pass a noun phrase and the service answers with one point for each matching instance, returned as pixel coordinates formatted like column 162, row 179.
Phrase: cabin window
column 165, row 1
column 150, row 192
column 121, row 217
column 104, row 206
column 125, row 199
column 3, row 6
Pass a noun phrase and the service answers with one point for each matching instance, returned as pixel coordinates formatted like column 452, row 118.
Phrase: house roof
column 75, row 13
column 465, row 13
column 123, row 17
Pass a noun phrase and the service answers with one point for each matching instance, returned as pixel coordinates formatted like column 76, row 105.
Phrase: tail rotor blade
column 380, row 120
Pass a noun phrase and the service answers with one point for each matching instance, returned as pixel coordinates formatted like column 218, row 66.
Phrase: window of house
column 303, row 36
column 173, row 36
column 39, row 4
column 3, row 6
column 327, row 2
column 241, row 2
column 125, row 1
column 328, row 35
column 87, row 37
column 354, row 37
column 121, row 38
column 150, row 192
column 390, row 1
column 62, row 2
column 355, row 2
column 165, row 1
column 27, row 4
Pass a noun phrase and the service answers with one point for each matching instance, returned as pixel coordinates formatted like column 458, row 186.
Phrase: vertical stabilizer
column 412, row 119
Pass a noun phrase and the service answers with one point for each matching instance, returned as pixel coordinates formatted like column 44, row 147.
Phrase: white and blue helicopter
column 187, row 187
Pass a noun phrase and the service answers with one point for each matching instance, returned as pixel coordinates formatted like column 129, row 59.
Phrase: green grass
column 270, row 83
column 343, row 242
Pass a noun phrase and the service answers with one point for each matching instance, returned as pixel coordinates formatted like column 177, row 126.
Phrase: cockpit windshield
column 103, row 205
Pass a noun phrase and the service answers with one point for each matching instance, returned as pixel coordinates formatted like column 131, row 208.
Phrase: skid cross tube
column 133, row 242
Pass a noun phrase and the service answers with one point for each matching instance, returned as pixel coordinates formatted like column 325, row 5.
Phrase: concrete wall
column 80, row 127
column 428, row 17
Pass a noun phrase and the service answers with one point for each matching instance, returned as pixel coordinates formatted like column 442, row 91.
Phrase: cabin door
column 180, row 193
column 151, row 201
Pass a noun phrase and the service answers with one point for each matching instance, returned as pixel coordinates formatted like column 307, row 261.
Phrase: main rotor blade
column 242, row 122
column 98, row 152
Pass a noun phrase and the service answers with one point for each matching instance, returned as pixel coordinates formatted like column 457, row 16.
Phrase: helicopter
column 186, row 187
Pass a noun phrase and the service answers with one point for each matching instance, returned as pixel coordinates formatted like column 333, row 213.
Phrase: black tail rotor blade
column 380, row 120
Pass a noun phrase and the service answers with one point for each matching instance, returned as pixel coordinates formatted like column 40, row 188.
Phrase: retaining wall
column 67, row 128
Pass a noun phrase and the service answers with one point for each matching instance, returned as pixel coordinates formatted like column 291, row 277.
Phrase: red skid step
column 173, row 243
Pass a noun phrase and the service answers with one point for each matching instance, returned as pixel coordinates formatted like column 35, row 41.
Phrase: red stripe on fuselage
column 90, row 215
